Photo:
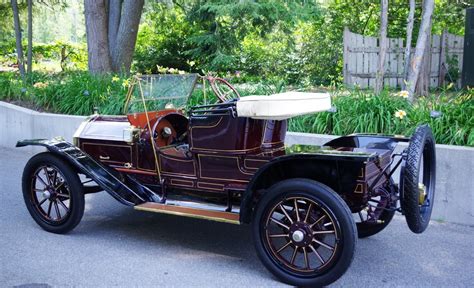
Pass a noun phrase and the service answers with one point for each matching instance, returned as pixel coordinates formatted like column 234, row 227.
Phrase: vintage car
column 227, row 161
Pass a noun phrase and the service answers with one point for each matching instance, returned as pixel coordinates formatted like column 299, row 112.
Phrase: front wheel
column 53, row 193
column 304, row 233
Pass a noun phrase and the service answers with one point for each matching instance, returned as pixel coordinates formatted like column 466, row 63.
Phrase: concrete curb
column 19, row 123
column 455, row 164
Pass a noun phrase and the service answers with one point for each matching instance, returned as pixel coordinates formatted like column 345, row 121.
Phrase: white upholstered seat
column 282, row 106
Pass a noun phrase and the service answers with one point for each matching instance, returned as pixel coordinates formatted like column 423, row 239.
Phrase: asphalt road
column 115, row 245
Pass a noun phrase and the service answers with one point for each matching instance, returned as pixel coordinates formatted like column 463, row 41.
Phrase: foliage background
column 298, row 41
column 267, row 46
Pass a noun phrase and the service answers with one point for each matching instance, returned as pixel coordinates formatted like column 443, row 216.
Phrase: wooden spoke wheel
column 49, row 190
column 304, row 233
column 53, row 193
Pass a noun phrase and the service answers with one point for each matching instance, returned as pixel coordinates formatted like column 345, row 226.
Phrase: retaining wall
column 454, row 201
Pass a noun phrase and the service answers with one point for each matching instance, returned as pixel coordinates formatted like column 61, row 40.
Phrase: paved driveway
column 115, row 245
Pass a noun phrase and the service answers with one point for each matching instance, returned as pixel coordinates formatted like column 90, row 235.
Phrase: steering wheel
column 163, row 132
column 223, row 90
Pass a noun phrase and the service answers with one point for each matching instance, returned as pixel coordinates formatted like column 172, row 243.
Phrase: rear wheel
column 304, row 233
column 53, row 193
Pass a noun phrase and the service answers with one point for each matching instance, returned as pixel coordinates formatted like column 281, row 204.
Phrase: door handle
column 104, row 157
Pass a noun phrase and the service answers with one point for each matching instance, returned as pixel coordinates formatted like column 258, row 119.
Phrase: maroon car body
column 212, row 163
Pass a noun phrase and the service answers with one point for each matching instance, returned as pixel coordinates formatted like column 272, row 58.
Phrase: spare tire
column 418, row 196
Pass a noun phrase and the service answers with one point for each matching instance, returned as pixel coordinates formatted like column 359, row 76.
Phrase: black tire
column 366, row 229
column 421, row 157
column 66, row 193
column 316, row 203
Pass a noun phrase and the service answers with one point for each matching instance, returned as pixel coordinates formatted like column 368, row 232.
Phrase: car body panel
column 213, row 153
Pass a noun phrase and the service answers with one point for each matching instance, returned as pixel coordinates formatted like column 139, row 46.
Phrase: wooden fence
column 361, row 58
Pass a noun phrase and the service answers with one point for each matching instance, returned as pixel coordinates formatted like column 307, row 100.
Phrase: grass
column 358, row 111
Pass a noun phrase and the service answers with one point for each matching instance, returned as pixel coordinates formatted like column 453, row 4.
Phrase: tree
column 111, row 33
column 421, row 47
column 19, row 48
column 225, row 24
column 383, row 46
column 96, row 31
column 30, row 37
column 411, row 15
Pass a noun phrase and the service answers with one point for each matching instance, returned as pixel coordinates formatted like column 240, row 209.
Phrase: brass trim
column 232, row 157
column 224, row 179
column 272, row 143
column 112, row 162
column 167, row 172
column 256, row 160
column 219, row 150
column 207, row 183
column 152, row 141
column 219, row 216
column 174, row 159
column 174, row 173
column 359, row 188
column 206, row 127
column 185, row 183
column 109, row 145
column 122, row 169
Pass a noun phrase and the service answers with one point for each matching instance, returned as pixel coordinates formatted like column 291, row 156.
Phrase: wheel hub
column 46, row 194
column 301, row 234
column 298, row 236
column 422, row 193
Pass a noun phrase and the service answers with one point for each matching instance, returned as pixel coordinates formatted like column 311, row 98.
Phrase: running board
column 220, row 216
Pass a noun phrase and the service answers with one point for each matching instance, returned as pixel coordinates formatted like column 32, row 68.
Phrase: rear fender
column 323, row 169
column 372, row 141
column 124, row 189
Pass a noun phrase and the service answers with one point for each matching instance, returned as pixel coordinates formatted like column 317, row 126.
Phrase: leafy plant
column 79, row 93
column 361, row 112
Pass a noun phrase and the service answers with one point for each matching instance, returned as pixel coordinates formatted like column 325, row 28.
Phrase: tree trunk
column 19, row 48
column 383, row 46
column 111, row 28
column 423, row 84
column 411, row 15
column 420, row 49
column 30, row 37
column 96, row 30
column 115, row 11
column 126, row 35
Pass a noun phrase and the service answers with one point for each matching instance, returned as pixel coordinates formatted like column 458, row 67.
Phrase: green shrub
column 70, row 56
column 357, row 111
column 362, row 112
column 76, row 93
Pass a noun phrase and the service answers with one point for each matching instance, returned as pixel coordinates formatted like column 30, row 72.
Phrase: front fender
column 129, row 193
